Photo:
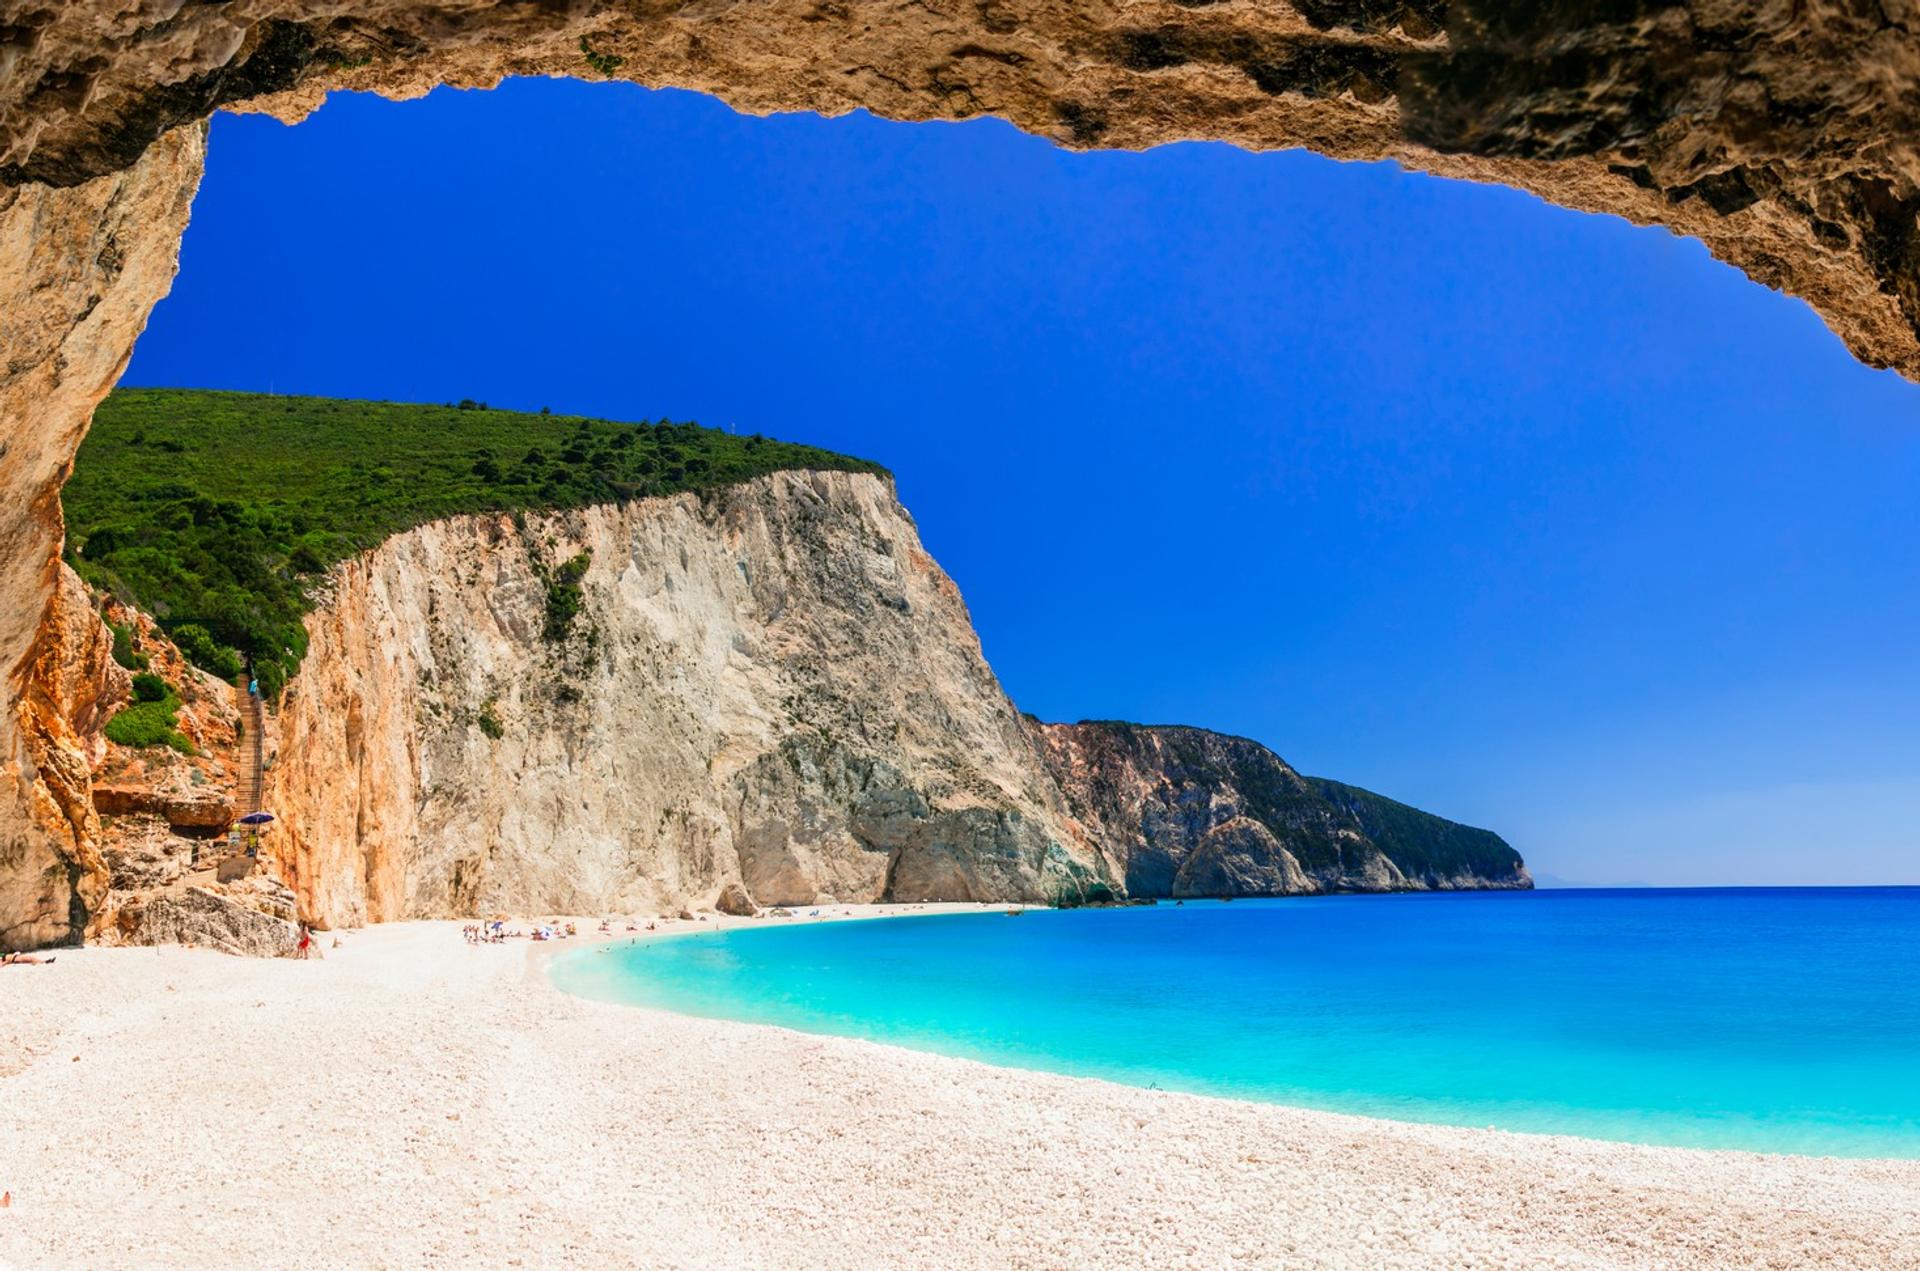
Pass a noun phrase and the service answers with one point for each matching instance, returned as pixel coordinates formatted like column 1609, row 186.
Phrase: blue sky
column 1528, row 517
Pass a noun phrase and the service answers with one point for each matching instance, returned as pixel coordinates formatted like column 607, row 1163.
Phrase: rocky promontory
column 1187, row 812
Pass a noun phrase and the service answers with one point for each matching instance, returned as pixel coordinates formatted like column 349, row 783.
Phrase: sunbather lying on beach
column 25, row 959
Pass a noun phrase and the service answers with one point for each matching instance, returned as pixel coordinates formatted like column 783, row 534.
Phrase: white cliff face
column 775, row 685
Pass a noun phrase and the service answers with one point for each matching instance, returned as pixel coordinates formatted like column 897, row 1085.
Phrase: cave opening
column 99, row 177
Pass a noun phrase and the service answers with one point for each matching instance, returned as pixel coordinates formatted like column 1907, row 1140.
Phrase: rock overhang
column 1782, row 136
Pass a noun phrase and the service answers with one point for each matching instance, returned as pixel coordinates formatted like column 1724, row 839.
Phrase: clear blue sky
column 1528, row 517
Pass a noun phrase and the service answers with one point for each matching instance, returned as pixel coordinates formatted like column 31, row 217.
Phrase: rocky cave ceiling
column 1779, row 134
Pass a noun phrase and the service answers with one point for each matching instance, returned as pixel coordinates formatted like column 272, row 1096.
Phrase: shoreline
column 412, row 1098
column 542, row 958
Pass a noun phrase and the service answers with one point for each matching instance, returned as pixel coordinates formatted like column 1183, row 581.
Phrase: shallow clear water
column 1776, row 1020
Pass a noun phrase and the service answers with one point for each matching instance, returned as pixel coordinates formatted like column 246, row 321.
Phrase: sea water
column 1778, row 1020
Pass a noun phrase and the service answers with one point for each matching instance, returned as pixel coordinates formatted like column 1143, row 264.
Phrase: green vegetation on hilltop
column 1421, row 843
column 1322, row 824
column 216, row 511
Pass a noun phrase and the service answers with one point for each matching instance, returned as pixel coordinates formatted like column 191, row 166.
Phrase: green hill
column 216, row 511
column 1421, row 843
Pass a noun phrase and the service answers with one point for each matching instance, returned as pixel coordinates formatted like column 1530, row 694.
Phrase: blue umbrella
column 256, row 818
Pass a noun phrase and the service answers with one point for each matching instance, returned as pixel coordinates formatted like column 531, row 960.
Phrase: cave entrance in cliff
column 1103, row 249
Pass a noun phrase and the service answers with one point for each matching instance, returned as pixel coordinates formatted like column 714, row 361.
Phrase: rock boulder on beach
column 734, row 900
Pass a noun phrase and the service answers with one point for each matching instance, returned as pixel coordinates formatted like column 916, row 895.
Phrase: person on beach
column 25, row 959
column 305, row 946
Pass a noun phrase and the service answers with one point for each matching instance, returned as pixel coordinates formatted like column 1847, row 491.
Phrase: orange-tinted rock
column 734, row 900
column 181, row 809
column 79, row 270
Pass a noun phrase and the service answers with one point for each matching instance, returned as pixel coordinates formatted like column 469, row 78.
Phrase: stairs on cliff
column 250, row 788
column 229, row 860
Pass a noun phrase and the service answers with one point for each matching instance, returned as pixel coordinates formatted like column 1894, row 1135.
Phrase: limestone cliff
column 1189, row 812
column 775, row 685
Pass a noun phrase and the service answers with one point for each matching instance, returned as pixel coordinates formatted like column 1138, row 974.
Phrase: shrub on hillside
column 149, row 721
column 123, row 651
column 565, row 596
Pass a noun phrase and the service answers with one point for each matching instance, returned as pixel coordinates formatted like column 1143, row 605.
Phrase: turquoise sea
column 1782, row 1020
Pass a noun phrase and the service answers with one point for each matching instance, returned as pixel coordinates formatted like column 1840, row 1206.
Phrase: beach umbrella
column 256, row 818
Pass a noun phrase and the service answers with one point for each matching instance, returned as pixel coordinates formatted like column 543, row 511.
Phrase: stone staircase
column 249, row 789
column 227, row 861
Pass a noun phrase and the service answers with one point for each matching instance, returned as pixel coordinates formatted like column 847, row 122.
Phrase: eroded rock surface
column 208, row 918
column 1195, row 813
column 1782, row 135
column 733, row 899
column 80, row 269
column 774, row 688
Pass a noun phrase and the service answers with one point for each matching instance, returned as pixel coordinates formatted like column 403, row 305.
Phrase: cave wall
column 80, row 269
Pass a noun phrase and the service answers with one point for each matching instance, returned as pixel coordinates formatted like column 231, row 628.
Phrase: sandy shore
column 413, row 1100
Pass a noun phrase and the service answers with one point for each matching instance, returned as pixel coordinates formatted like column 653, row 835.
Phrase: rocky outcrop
column 53, row 878
column 1189, row 812
column 161, row 812
column 146, row 857
column 170, row 889
column 180, row 809
column 206, row 918
column 80, row 268
column 773, row 688
column 734, row 900
column 143, row 819
column 1431, row 850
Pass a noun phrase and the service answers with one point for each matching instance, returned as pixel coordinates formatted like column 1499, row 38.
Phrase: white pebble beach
column 415, row 1100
